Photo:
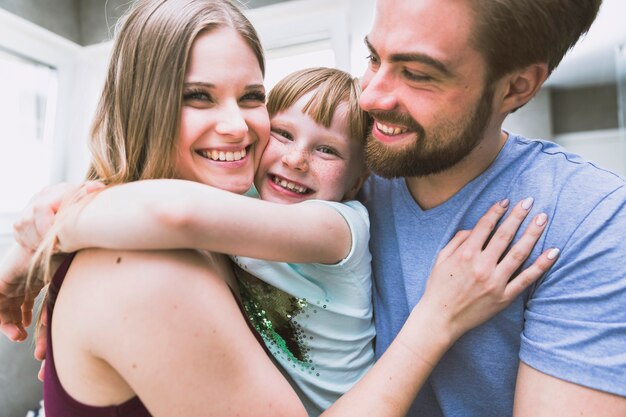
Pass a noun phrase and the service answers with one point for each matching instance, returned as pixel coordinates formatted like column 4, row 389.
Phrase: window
column 285, row 60
column 27, row 107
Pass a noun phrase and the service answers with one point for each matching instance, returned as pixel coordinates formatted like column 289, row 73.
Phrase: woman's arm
column 217, row 364
column 468, row 285
column 172, row 214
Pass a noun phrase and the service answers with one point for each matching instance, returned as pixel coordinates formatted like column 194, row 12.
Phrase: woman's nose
column 232, row 122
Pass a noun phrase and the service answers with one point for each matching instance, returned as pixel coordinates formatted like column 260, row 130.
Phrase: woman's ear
column 520, row 86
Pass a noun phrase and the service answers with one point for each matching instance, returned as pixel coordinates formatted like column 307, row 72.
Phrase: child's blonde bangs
column 331, row 88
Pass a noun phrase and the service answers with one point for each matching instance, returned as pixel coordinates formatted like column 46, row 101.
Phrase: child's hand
column 38, row 216
column 471, row 280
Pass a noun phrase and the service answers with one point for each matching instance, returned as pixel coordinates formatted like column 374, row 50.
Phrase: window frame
column 34, row 43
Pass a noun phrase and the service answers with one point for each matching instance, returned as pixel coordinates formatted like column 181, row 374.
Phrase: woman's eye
column 254, row 96
column 197, row 96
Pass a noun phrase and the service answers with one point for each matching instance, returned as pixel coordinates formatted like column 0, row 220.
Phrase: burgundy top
column 57, row 402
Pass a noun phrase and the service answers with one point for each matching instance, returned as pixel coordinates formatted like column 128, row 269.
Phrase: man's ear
column 520, row 86
column 352, row 192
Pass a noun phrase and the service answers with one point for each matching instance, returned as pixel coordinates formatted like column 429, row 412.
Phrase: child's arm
column 171, row 214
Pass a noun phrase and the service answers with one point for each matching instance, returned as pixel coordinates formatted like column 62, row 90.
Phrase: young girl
column 132, row 331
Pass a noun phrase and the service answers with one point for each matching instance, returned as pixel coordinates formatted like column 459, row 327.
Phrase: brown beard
column 430, row 152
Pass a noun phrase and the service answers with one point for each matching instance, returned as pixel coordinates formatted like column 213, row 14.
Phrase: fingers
column 14, row 332
column 459, row 238
column 505, row 233
column 93, row 186
column 520, row 251
column 42, row 337
column 485, row 225
column 42, row 368
column 27, row 311
column 25, row 232
column 531, row 274
column 38, row 216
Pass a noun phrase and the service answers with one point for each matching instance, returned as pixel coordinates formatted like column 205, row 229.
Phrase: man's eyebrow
column 414, row 57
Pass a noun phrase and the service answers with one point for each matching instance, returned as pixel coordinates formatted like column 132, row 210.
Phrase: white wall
column 605, row 148
column 41, row 45
column 533, row 120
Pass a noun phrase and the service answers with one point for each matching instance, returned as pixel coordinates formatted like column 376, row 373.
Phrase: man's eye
column 372, row 59
column 416, row 76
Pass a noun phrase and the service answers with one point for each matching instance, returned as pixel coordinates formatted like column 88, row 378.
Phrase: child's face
column 305, row 160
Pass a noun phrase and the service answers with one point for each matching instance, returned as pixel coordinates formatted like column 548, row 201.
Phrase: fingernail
column 528, row 203
column 541, row 219
column 504, row 203
column 553, row 253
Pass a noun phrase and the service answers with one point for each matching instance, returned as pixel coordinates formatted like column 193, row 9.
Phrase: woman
column 185, row 80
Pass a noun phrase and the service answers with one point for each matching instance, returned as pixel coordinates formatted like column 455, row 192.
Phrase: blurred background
column 53, row 56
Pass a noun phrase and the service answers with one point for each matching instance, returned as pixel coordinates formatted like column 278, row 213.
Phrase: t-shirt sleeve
column 357, row 218
column 575, row 321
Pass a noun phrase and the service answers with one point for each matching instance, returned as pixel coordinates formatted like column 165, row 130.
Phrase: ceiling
column 590, row 62
column 84, row 22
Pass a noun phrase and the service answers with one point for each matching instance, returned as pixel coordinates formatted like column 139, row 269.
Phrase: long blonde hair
column 132, row 137
column 134, row 132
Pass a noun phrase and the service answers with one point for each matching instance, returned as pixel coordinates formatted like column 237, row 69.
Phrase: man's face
column 424, row 86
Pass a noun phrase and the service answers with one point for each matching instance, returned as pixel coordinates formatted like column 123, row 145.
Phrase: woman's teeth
column 288, row 185
column 388, row 130
column 229, row 156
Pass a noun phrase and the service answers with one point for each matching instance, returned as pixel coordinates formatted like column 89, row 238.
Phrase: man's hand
column 16, row 303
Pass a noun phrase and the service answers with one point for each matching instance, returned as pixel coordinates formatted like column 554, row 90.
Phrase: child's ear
column 352, row 192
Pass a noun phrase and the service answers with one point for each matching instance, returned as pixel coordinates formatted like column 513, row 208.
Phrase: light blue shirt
column 571, row 325
column 316, row 319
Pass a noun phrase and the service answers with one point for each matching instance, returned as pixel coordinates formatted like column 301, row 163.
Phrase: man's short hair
column 512, row 34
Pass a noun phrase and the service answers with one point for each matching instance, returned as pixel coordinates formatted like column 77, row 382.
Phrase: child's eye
column 283, row 134
column 327, row 150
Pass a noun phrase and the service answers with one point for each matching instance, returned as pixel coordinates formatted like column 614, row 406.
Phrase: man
column 442, row 77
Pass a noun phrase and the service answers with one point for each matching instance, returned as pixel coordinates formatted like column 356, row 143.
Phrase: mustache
column 396, row 118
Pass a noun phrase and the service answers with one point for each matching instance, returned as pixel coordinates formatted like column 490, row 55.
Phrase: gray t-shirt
column 571, row 325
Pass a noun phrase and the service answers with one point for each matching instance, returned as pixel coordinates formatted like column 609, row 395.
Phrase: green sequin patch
column 273, row 312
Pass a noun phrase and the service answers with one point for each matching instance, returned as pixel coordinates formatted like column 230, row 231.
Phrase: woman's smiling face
column 224, row 124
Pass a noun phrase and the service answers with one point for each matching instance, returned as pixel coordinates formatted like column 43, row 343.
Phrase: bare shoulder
column 172, row 313
column 110, row 281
